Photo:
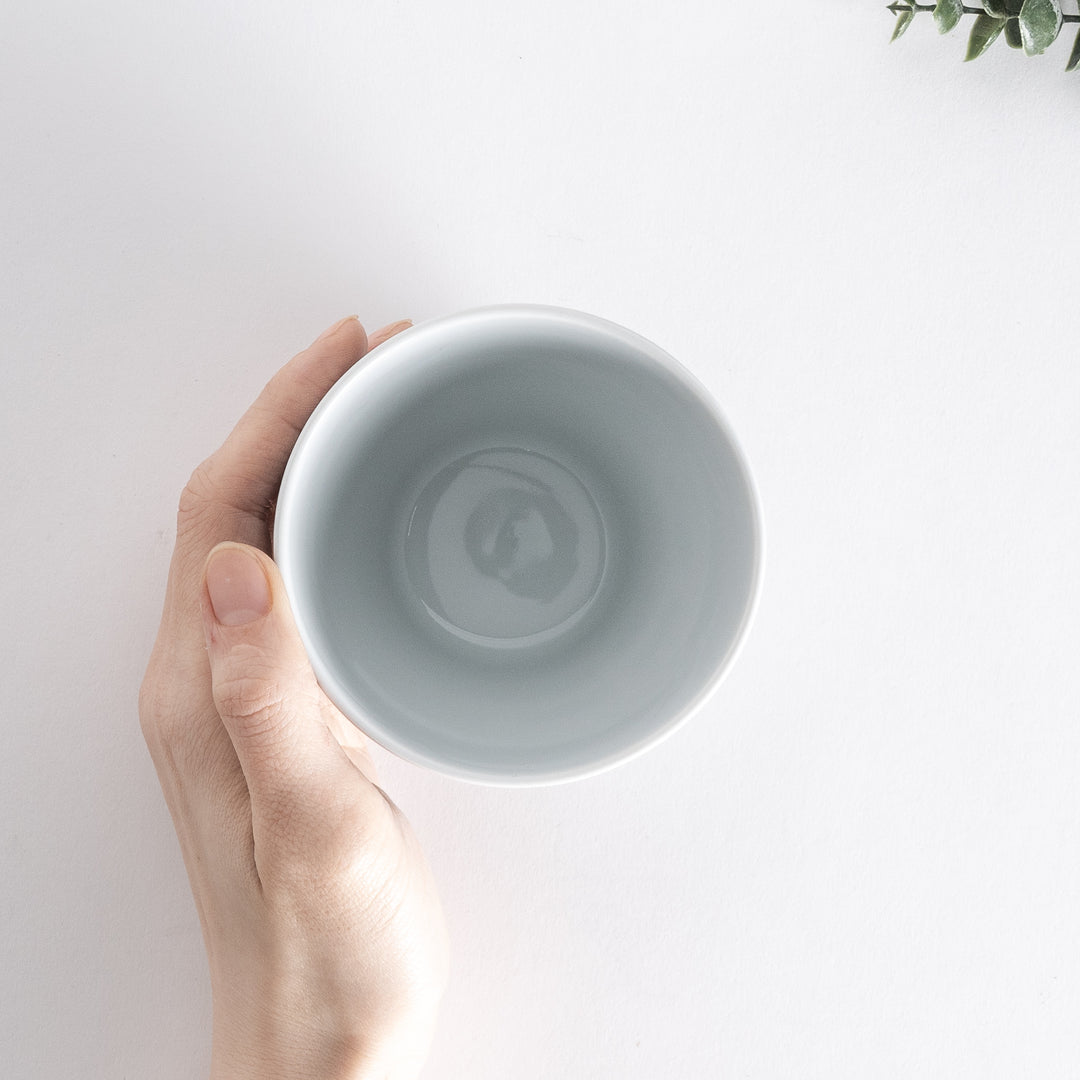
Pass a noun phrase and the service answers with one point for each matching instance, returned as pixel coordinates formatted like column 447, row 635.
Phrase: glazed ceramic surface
column 521, row 544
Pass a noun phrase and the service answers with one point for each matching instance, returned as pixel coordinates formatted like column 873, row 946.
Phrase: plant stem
column 967, row 11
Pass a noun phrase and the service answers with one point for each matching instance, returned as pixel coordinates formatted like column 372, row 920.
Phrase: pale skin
column 326, row 942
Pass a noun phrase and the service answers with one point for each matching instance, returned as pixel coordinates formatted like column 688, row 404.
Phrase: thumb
column 264, row 688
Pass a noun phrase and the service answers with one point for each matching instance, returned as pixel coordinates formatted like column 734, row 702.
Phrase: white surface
column 862, row 860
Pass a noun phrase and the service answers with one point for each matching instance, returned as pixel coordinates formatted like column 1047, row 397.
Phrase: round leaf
column 1040, row 22
column 996, row 8
column 947, row 13
column 1012, row 34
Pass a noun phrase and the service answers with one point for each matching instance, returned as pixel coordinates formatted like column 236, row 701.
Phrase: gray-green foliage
column 1031, row 25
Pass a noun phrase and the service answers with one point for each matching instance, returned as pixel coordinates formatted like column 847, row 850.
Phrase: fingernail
column 239, row 592
column 337, row 326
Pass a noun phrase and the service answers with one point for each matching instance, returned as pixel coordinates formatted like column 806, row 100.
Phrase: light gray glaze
column 520, row 544
column 505, row 547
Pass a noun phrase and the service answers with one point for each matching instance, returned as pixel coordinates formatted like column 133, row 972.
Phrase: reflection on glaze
column 525, row 539
column 505, row 547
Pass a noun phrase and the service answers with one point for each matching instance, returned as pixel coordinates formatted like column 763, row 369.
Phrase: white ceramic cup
column 521, row 544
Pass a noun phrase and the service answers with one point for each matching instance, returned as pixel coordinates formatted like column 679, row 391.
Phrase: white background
column 861, row 860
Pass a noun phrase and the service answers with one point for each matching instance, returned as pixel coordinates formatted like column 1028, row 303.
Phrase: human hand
column 323, row 929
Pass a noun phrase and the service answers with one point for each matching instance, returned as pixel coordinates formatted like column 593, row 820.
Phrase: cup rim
column 283, row 544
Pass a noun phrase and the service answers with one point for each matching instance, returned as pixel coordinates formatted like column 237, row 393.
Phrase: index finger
column 229, row 495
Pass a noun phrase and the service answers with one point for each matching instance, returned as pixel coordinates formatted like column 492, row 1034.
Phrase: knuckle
column 176, row 744
column 345, row 837
column 363, row 835
column 150, row 710
column 303, row 857
column 198, row 496
column 252, row 700
column 224, row 483
column 157, row 710
column 355, row 828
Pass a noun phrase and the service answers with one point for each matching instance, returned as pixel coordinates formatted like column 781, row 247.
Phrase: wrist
column 305, row 1049
column 326, row 1062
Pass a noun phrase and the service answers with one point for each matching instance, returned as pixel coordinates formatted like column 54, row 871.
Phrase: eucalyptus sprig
column 1031, row 25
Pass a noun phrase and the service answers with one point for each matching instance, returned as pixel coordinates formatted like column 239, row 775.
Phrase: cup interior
column 520, row 544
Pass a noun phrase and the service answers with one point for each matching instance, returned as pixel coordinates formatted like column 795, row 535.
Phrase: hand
column 326, row 941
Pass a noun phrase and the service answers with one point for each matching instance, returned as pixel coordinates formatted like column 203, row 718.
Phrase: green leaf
column 996, row 8
column 1074, row 57
column 1012, row 34
column 984, row 33
column 947, row 13
column 903, row 21
column 1040, row 23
